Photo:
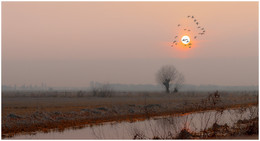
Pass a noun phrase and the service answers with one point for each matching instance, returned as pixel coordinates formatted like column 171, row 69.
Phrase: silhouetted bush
column 102, row 90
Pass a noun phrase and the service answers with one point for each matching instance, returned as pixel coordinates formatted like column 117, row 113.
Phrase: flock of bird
column 201, row 29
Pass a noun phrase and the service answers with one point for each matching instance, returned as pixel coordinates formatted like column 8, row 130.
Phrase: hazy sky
column 73, row 43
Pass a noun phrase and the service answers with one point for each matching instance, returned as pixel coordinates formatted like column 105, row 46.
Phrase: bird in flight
column 198, row 33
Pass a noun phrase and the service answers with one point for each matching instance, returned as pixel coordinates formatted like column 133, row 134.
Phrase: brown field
column 24, row 112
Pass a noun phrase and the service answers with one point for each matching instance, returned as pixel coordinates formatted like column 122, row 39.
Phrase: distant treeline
column 134, row 88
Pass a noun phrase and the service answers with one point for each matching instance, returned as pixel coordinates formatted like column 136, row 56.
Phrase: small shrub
column 252, row 129
column 184, row 134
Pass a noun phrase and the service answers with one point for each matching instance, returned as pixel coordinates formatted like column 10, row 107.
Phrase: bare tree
column 178, row 82
column 167, row 75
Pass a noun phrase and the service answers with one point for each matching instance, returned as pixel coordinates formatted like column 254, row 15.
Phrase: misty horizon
column 128, row 87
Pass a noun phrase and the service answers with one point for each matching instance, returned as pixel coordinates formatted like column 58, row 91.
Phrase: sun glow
column 187, row 45
column 186, row 40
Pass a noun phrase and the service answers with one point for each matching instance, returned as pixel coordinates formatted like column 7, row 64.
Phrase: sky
column 70, row 44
